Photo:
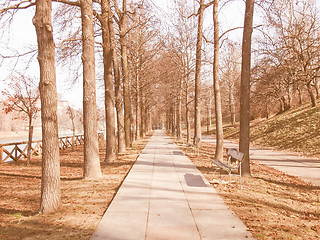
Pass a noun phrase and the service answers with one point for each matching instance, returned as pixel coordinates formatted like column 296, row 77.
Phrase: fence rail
column 18, row 150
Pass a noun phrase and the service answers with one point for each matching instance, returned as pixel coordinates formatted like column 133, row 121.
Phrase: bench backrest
column 196, row 141
column 234, row 153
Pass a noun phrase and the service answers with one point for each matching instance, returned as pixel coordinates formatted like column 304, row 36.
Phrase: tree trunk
column 244, row 142
column 232, row 107
column 197, row 128
column 300, row 96
column 50, row 181
column 73, row 134
column 280, row 106
column 92, row 168
column 142, row 113
column 138, row 107
column 108, row 85
column 173, row 127
column 208, row 118
column 316, row 87
column 125, row 76
column 179, row 99
column 187, row 108
column 29, row 140
column 216, row 86
column 118, row 92
column 312, row 97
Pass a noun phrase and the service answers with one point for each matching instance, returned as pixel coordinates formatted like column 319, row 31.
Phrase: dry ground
column 272, row 204
column 83, row 202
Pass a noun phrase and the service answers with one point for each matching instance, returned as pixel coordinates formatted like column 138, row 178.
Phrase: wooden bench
column 195, row 145
column 235, row 159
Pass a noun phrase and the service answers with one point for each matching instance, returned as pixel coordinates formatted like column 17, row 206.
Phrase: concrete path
column 306, row 168
column 165, row 197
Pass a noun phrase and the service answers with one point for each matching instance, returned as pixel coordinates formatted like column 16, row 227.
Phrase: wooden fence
column 18, row 150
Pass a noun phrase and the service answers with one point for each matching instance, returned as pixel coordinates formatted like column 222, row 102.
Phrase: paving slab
column 165, row 196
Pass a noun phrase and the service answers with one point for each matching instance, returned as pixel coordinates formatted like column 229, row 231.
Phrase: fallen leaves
column 272, row 204
column 83, row 201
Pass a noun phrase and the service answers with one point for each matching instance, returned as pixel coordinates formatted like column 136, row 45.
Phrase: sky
column 23, row 38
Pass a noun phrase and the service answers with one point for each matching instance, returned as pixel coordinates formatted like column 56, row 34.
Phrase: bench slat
column 234, row 153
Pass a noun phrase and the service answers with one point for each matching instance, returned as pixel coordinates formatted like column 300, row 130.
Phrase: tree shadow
column 287, row 184
column 18, row 212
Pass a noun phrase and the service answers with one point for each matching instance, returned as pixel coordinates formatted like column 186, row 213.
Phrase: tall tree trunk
column 125, row 76
column 173, row 127
column 138, row 103
column 209, row 123
column 244, row 142
column 197, row 110
column 108, row 84
column 179, row 99
column 118, row 92
column 50, row 180
column 92, row 168
column 216, row 86
column 187, row 107
column 142, row 113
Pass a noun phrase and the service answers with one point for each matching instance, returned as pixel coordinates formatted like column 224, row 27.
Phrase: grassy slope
column 296, row 130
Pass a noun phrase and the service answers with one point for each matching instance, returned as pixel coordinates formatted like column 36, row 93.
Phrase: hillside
column 296, row 130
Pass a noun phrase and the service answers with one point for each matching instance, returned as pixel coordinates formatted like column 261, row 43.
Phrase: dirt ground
column 272, row 204
column 83, row 201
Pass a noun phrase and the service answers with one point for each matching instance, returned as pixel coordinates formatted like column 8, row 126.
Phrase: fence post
column 16, row 152
column 1, row 154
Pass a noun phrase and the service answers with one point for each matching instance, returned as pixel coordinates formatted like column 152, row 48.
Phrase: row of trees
column 155, row 76
column 285, row 66
column 97, row 19
column 186, row 61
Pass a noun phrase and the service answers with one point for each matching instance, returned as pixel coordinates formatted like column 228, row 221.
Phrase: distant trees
column 230, row 80
column 288, row 62
column 22, row 96
column 183, row 45
column 71, row 113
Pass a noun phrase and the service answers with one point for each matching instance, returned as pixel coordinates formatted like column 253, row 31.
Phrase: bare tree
column 197, row 108
column 118, row 89
column 122, row 22
column 216, row 85
column 244, row 142
column 295, row 49
column 230, row 78
column 108, row 82
column 50, row 184
column 70, row 112
column 92, row 168
column 22, row 95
